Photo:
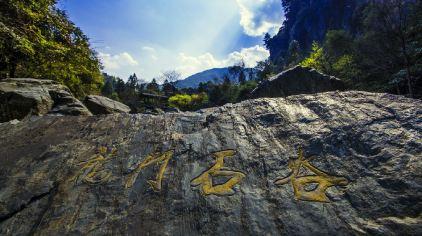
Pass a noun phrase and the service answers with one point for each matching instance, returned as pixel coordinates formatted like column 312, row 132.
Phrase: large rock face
column 297, row 80
column 20, row 98
column 220, row 171
column 100, row 105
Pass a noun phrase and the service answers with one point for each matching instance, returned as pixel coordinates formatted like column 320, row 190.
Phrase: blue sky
column 148, row 37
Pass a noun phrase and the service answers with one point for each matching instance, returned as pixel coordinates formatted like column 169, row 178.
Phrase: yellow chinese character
column 93, row 170
column 299, row 183
column 205, row 180
column 157, row 158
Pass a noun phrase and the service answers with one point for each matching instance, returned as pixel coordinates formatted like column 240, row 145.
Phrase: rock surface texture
column 20, row 98
column 222, row 171
column 298, row 80
column 100, row 105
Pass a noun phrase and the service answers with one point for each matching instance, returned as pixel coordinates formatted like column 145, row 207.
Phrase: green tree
column 168, row 88
column 245, row 90
column 242, row 77
column 336, row 57
column 133, row 82
column 316, row 59
column 181, row 101
column 38, row 40
column 205, row 87
column 129, row 91
column 346, row 68
column 293, row 54
column 266, row 69
column 169, row 79
column 120, row 86
column 216, row 95
column 238, row 71
column 186, row 102
column 340, row 56
column 153, row 87
column 108, row 88
column 338, row 43
column 391, row 43
column 267, row 40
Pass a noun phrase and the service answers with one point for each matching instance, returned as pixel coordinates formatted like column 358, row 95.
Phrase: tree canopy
column 38, row 40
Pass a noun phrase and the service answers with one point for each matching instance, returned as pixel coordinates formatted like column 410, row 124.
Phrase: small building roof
column 151, row 95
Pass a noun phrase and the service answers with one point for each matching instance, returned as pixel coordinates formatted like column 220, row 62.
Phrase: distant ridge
column 214, row 75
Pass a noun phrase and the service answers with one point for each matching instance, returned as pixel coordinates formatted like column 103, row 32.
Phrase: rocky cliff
column 309, row 20
column 327, row 164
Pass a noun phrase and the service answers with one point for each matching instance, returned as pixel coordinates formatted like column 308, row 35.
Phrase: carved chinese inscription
column 93, row 171
column 205, row 180
column 322, row 181
column 161, row 159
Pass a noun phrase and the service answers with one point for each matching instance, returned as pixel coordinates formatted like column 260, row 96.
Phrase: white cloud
column 249, row 55
column 148, row 49
column 258, row 17
column 151, row 51
column 193, row 64
column 154, row 57
column 116, row 62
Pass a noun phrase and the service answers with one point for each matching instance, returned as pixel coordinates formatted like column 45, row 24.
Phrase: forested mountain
column 309, row 20
column 372, row 45
column 215, row 75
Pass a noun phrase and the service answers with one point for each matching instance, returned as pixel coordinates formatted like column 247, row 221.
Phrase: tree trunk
column 409, row 81
column 408, row 76
column 12, row 71
column 403, row 23
column 398, row 89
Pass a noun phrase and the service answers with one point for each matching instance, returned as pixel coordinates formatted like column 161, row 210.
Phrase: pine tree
column 153, row 87
column 132, row 82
